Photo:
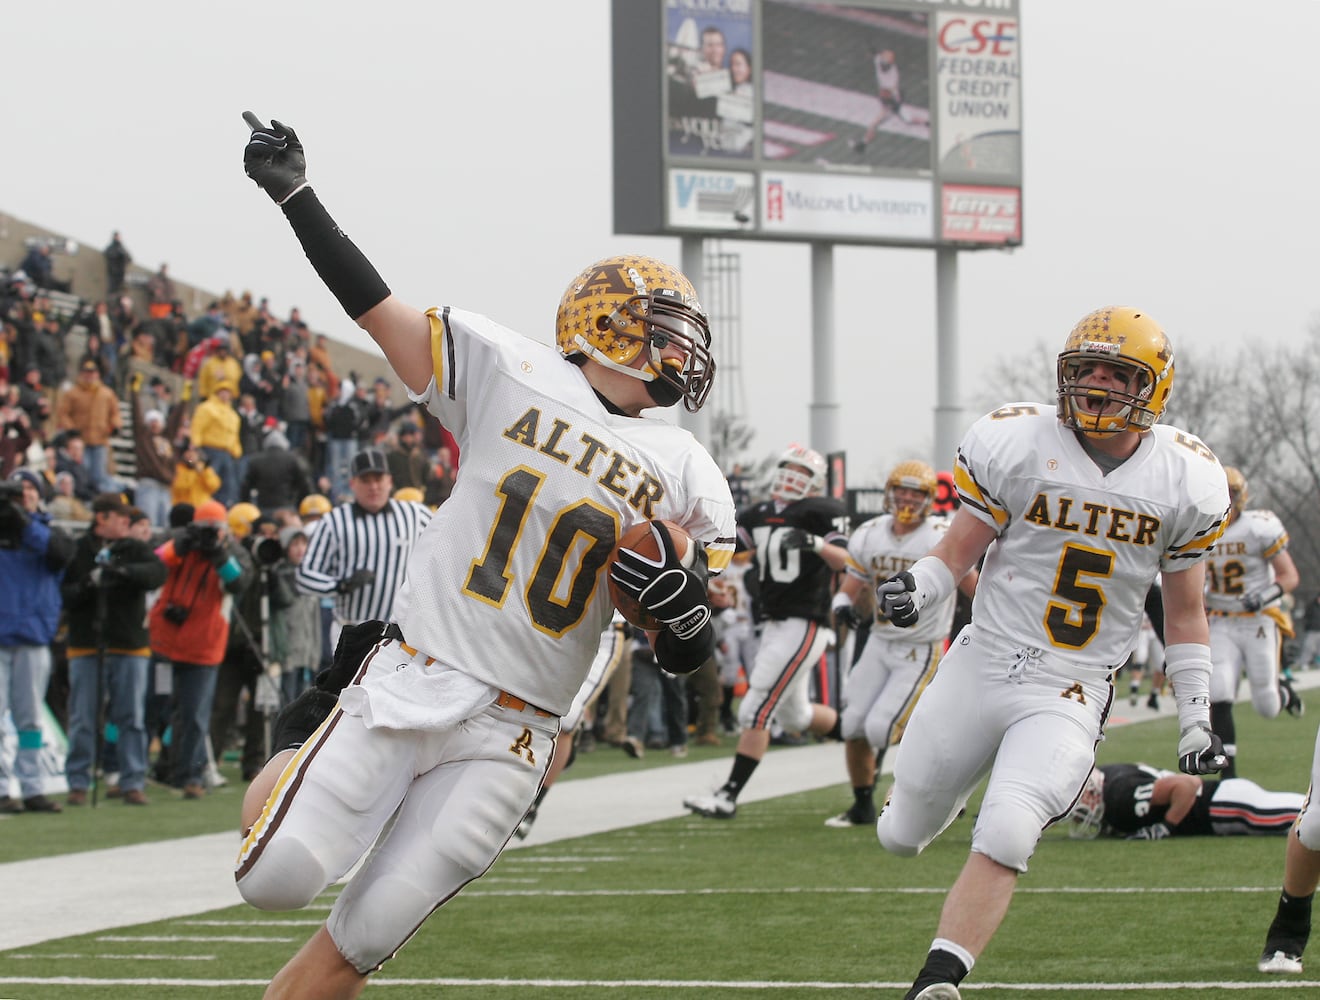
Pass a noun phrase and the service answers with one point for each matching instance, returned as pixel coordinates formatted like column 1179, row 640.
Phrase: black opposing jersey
column 792, row 583
column 1128, row 791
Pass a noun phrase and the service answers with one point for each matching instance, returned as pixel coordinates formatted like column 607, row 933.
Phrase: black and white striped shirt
column 349, row 539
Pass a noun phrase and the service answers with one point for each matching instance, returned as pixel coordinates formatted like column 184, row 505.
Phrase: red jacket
column 194, row 584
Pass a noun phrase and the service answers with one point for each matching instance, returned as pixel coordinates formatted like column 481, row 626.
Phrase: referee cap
column 369, row 460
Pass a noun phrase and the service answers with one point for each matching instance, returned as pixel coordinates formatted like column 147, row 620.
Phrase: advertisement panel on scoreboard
column 886, row 122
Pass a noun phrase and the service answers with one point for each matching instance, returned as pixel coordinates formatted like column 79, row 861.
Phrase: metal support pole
column 949, row 421
column 824, row 423
column 691, row 250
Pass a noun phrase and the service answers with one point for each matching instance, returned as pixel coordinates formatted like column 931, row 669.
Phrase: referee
column 359, row 551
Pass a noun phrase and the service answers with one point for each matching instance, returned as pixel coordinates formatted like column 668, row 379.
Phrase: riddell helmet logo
column 774, row 201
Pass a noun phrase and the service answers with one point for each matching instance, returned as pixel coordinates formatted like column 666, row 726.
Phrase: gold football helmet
column 623, row 306
column 241, row 516
column 410, row 494
column 1237, row 489
column 916, row 476
column 314, row 505
column 1127, row 338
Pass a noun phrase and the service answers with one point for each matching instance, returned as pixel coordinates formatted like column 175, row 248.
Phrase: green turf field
column 771, row 902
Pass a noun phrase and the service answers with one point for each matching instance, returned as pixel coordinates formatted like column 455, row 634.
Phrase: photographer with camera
column 105, row 591
column 32, row 560
column 190, row 628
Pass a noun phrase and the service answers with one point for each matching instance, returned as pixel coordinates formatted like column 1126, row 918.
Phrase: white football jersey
column 875, row 553
column 508, row 581
column 1239, row 563
column 1077, row 548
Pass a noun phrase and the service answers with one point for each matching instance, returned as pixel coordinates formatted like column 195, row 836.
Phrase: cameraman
column 105, row 592
column 32, row 560
column 190, row 627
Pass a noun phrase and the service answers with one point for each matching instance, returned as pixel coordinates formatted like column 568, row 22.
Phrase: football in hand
column 640, row 539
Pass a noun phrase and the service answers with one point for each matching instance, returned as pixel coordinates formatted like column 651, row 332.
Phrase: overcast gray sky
column 1170, row 163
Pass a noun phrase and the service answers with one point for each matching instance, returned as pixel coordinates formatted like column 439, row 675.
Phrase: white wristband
column 840, row 600
column 934, row 580
column 1187, row 666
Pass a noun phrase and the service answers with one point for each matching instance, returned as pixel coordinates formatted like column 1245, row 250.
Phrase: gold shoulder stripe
column 972, row 494
column 1277, row 547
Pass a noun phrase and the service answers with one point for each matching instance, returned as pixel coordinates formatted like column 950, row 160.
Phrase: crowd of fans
column 146, row 456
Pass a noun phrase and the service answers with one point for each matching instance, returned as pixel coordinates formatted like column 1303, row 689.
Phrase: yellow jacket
column 215, row 425
column 194, row 486
column 215, row 370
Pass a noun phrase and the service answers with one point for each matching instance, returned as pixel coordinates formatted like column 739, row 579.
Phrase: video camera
column 13, row 515
column 268, row 551
column 205, row 538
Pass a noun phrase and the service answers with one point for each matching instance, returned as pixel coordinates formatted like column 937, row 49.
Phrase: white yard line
column 118, row 887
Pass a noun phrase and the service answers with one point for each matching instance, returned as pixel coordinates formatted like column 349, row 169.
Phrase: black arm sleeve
column 337, row 260
column 683, row 657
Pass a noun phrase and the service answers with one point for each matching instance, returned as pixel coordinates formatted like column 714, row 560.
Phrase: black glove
column 357, row 581
column 845, row 617
column 1156, row 831
column 796, row 538
column 673, row 593
column 184, row 542
column 1200, row 751
column 355, row 642
column 894, row 600
column 274, row 158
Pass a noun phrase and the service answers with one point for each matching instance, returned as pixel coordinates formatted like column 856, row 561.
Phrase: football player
column 798, row 540
column 1140, row 802
column 1286, row 939
column 439, row 742
column 1076, row 507
column 896, row 664
column 1247, row 573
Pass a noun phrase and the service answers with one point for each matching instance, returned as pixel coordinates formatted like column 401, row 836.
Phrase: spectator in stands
column 408, row 464
column 276, row 477
column 380, row 414
column 69, row 459
column 37, row 265
column 251, row 426
column 220, row 366
column 124, row 317
column 99, row 324
column 140, row 351
column 295, row 619
column 206, row 326
column 46, row 351
column 238, row 680
column 101, row 351
column 189, row 627
column 215, row 433
column 34, row 397
column 155, row 463
column 319, row 353
column 160, row 293
column 261, row 382
column 295, row 407
column 15, row 430
column 117, row 259
column 440, row 482
column 341, row 424
column 32, row 559
column 195, row 481
column 91, row 408
column 104, row 593
column 64, row 505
